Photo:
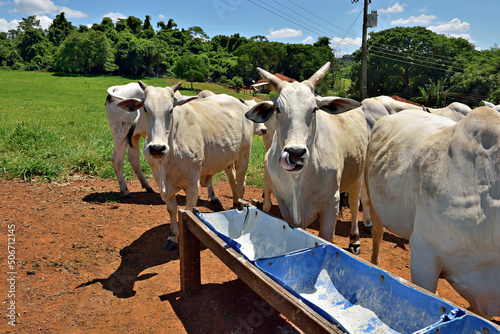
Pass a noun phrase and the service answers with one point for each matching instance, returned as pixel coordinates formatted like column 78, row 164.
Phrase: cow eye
column 278, row 111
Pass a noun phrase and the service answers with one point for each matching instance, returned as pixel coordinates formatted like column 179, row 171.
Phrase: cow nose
column 264, row 131
column 157, row 149
column 296, row 154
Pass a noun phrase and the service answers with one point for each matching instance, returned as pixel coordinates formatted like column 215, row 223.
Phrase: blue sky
column 287, row 21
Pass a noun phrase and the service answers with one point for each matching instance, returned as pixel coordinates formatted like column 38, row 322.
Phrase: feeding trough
column 318, row 286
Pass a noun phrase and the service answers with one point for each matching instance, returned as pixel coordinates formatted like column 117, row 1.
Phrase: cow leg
column 328, row 219
column 117, row 159
column 134, row 159
column 230, row 173
column 354, row 244
column 172, row 240
column 367, row 222
column 241, row 166
column 424, row 266
column 268, row 189
column 377, row 235
column 211, row 194
column 191, row 200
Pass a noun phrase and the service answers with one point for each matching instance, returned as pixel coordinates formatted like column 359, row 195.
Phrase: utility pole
column 363, row 74
column 362, row 79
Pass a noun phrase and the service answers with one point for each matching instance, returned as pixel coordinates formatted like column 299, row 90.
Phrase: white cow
column 317, row 152
column 491, row 105
column 377, row 107
column 187, row 143
column 120, row 123
column 435, row 182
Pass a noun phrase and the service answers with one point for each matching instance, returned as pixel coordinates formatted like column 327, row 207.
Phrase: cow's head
column 296, row 107
column 158, row 105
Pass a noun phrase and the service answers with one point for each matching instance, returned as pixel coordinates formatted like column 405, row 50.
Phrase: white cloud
column 115, row 16
column 6, row 26
column 283, row 33
column 161, row 16
column 308, row 39
column 354, row 11
column 45, row 21
column 71, row 13
column 34, row 7
column 343, row 46
column 47, row 7
column 422, row 20
column 354, row 43
column 454, row 26
column 396, row 8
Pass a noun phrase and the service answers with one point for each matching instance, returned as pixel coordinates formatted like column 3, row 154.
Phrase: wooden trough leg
column 189, row 253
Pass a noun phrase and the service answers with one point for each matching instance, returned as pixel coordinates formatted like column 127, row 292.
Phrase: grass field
column 54, row 126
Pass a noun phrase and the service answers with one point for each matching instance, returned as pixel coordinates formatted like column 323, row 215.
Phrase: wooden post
column 189, row 254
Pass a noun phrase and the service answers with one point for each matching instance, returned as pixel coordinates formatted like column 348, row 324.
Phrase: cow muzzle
column 293, row 159
column 157, row 150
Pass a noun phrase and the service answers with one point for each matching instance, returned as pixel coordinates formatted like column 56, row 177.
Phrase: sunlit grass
column 54, row 126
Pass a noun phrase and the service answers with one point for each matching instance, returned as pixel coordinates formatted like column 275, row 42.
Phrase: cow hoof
column 150, row 190
column 129, row 195
column 170, row 245
column 368, row 229
column 355, row 248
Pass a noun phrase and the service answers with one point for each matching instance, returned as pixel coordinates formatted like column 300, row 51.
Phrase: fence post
column 189, row 254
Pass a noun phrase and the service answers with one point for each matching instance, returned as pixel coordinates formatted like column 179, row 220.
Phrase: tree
column 190, row 67
column 237, row 83
column 403, row 59
column 135, row 25
column 59, row 29
column 138, row 56
column 31, row 41
column 197, row 32
column 89, row 52
column 148, row 31
column 108, row 27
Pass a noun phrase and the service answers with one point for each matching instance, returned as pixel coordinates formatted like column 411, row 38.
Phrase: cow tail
column 131, row 131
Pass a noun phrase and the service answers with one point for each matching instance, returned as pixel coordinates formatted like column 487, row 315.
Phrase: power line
column 348, row 31
column 413, row 51
column 374, row 53
column 333, row 25
column 312, row 29
column 413, row 59
column 301, row 23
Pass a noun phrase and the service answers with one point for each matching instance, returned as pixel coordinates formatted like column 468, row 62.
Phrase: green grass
column 53, row 126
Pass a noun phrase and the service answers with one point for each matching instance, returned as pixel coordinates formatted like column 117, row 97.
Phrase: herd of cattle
column 427, row 175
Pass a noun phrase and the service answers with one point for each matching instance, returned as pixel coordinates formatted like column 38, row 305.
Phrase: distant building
column 263, row 86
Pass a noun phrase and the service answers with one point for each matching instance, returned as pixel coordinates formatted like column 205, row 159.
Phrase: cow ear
column 184, row 99
column 130, row 104
column 261, row 112
column 336, row 105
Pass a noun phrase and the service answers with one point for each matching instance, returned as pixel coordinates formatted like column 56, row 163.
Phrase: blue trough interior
column 358, row 297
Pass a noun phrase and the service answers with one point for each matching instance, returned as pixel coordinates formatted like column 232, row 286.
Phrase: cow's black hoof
column 355, row 248
column 169, row 245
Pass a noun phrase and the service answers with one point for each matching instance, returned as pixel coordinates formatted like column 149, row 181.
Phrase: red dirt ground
column 88, row 261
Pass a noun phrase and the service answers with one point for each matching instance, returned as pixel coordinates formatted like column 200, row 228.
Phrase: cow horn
column 176, row 86
column 273, row 80
column 143, row 85
column 319, row 75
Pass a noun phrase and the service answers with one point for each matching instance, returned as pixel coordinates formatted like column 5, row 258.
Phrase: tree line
column 411, row 62
column 132, row 47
